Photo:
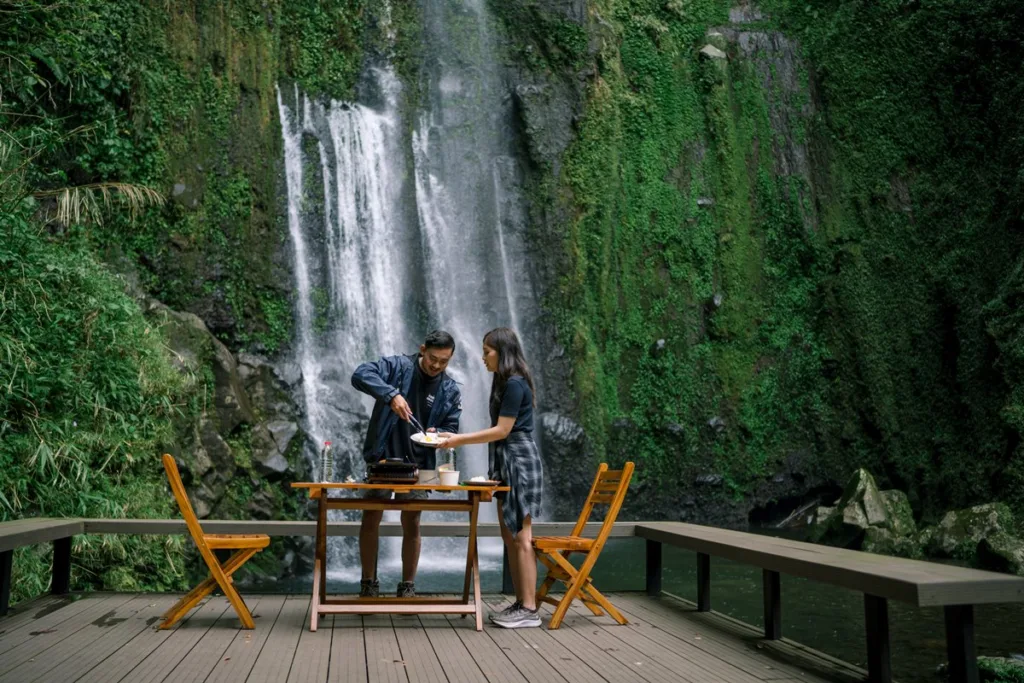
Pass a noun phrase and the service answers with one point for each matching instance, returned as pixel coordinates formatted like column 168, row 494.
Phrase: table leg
column 470, row 550
column 473, row 516
column 321, row 543
column 319, row 561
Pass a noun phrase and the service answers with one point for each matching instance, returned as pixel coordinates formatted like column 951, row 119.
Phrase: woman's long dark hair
column 510, row 362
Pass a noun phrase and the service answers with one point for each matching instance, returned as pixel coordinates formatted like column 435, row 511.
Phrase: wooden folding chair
column 244, row 545
column 609, row 488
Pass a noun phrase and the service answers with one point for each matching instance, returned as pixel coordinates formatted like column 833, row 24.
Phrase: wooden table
column 471, row 504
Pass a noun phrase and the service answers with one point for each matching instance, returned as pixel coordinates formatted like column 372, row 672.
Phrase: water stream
column 404, row 219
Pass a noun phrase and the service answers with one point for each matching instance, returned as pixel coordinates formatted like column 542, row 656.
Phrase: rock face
column 861, row 508
column 238, row 453
column 567, row 465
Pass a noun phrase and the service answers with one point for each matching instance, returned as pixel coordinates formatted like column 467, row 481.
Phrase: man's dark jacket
column 386, row 378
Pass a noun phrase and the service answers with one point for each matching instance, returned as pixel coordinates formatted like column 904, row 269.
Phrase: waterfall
column 396, row 229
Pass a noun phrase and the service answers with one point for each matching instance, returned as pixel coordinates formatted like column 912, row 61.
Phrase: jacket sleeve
column 450, row 422
column 375, row 378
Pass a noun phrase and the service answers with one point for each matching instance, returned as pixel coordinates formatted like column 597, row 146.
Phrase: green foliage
column 861, row 310
column 86, row 404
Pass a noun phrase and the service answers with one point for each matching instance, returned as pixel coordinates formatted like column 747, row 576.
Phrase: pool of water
column 823, row 617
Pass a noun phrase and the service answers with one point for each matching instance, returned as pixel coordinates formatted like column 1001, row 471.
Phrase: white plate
column 422, row 439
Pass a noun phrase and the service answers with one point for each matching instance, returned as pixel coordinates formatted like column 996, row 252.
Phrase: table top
column 314, row 485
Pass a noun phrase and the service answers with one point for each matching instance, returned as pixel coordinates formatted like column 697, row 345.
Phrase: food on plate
column 479, row 478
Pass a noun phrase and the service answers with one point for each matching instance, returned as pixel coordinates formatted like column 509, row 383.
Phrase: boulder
column 960, row 531
column 886, row 542
column 1002, row 552
column 861, row 507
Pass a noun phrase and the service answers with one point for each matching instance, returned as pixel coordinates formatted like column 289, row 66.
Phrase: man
column 403, row 386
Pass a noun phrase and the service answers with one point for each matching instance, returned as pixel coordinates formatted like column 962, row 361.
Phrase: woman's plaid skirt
column 516, row 463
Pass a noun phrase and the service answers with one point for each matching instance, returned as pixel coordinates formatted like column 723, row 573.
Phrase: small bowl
column 449, row 477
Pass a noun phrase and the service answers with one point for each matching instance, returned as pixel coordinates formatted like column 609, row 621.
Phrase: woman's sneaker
column 369, row 588
column 406, row 589
column 519, row 618
column 505, row 612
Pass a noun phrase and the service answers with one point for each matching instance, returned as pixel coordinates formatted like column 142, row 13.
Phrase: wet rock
column 711, row 52
column 1002, row 552
column 861, row 507
column 716, row 39
column 709, row 480
column 960, row 531
column 705, row 202
column 290, row 373
column 282, row 432
column 717, row 424
column 658, row 348
column 885, row 542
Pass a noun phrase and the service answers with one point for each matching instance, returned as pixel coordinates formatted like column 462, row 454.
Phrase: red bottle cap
column 327, row 443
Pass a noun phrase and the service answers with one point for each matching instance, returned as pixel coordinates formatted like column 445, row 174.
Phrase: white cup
column 449, row 477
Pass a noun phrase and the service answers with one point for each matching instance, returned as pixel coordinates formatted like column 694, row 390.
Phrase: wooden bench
column 880, row 578
column 23, row 532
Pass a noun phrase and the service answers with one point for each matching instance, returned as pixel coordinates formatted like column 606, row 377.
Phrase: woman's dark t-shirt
column 517, row 402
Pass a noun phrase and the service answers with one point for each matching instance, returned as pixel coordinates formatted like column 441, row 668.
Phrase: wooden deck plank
column 275, row 659
column 421, row 662
column 33, row 643
column 27, row 612
column 241, row 655
column 458, row 663
column 639, row 664
column 526, row 645
column 107, row 641
column 209, row 651
column 759, row 657
column 163, row 659
column 313, row 654
column 492, row 660
column 678, row 624
column 117, row 664
column 383, row 657
column 348, row 650
column 46, row 618
column 676, row 654
column 93, row 643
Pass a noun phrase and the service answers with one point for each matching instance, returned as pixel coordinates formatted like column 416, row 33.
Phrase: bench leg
column 653, row 568
column 703, row 582
column 6, row 558
column 876, row 621
column 772, row 605
column 963, row 663
column 61, row 582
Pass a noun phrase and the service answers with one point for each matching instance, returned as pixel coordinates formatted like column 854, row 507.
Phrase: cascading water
column 379, row 259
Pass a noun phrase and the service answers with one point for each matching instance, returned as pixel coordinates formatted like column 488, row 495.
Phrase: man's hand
column 401, row 408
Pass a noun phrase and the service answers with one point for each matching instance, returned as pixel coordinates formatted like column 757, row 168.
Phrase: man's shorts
column 386, row 494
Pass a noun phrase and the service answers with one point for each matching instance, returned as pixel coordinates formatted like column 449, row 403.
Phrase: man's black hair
column 439, row 339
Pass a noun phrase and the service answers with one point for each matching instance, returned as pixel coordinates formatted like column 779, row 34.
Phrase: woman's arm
column 496, row 433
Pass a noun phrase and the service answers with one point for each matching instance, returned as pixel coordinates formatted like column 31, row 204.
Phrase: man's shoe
column 520, row 618
column 369, row 588
column 406, row 589
column 505, row 612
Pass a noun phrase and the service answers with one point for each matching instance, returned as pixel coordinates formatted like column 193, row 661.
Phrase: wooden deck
column 110, row 637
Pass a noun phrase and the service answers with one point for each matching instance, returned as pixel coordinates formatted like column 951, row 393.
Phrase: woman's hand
column 449, row 440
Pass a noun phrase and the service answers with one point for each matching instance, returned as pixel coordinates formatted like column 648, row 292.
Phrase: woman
column 515, row 461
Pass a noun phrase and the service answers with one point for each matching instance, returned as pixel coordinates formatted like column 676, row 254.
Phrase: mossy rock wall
column 788, row 244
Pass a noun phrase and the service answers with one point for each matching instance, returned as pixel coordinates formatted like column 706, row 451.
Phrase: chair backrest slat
column 588, row 506
column 184, row 505
column 601, row 495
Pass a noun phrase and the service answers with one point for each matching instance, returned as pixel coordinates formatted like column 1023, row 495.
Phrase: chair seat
column 220, row 541
column 551, row 543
